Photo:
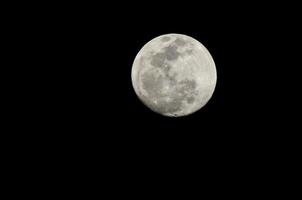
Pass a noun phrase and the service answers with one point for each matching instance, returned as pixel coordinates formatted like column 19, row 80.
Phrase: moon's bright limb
column 174, row 75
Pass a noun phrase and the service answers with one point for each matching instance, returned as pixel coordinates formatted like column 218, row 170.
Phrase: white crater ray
column 174, row 75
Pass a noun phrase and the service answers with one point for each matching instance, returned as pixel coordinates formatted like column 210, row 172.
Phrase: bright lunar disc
column 174, row 75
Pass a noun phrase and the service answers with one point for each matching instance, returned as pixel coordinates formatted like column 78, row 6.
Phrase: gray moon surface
column 174, row 75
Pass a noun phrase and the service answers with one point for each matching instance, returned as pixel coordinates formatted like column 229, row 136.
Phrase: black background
column 91, row 53
column 89, row 118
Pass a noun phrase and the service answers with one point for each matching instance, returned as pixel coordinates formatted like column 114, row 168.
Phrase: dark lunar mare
column 180, row 42
column 165, row 39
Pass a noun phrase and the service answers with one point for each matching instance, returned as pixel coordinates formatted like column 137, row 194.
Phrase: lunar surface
column 174, row 75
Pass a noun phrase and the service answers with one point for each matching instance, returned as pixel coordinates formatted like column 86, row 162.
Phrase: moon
column 174, row 75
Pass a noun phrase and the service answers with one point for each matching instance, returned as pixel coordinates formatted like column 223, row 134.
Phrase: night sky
column 90, row 114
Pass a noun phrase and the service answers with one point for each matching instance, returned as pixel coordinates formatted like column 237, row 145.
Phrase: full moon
column 174, row 75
